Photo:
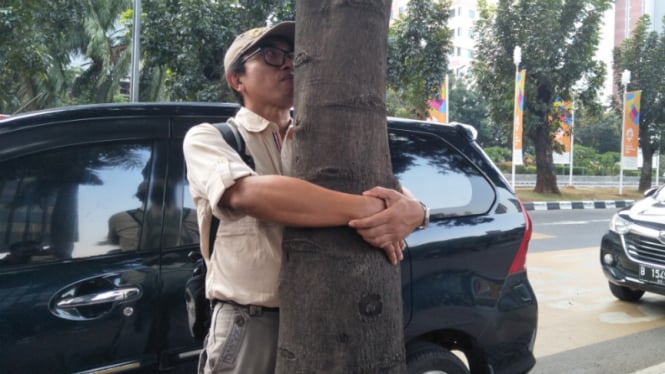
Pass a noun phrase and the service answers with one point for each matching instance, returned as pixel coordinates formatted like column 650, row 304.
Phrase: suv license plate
column 652, row 275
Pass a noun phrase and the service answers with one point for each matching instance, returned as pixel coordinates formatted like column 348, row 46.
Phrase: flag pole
column 517, row 58
column 625, row 79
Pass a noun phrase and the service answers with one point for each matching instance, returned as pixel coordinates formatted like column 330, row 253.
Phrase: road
column 582, row 328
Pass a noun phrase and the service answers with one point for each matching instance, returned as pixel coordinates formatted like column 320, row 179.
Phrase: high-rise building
column 463, row 15
column 626, row 15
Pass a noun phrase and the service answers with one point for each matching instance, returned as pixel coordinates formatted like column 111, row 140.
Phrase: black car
column 96, row 224
column 632, row 252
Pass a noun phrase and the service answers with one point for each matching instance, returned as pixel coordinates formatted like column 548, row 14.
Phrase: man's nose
column 288, row 62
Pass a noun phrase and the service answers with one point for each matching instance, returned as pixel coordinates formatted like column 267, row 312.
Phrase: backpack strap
column 233, row 138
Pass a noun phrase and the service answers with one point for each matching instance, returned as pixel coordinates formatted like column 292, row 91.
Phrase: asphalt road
column 582, row 328
column 567, row 229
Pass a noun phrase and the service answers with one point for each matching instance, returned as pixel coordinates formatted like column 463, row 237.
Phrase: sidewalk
column 564, row 205
column 656, row 369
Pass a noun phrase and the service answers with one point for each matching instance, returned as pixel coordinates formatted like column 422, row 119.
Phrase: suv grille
column 645, row 249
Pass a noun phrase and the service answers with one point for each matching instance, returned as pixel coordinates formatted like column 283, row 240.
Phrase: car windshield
column 660, row 194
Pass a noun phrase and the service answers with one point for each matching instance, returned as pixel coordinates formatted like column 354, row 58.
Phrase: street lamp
column 625, row 79
column 517, row 58
column 136, row 42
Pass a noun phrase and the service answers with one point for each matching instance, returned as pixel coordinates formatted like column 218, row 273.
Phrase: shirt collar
column 254, row 122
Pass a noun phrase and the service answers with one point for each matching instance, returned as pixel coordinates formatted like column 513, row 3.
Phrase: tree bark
column 340, row 299
column 647, row 156
column 546, row 182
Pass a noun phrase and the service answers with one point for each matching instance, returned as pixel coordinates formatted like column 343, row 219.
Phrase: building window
column 472, row 13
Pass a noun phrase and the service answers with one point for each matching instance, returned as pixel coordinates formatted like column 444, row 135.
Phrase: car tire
column 625, row 293
column 425, row 357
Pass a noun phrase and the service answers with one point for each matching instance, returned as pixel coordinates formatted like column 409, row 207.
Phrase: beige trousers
column 239, row 343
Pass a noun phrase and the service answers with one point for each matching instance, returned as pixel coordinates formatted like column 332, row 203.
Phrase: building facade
column 626, row 15
column 463, row 15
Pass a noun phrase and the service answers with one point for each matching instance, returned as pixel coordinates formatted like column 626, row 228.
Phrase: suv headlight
column 619, row 225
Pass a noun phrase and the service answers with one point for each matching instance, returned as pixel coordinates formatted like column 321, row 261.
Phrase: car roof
column 35, row 118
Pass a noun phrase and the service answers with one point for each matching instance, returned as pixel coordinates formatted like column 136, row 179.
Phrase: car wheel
column 428, row 358
column 625, row 293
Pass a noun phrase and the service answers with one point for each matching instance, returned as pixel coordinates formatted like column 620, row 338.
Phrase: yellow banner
column 518, row 117
column 438, row 106
column 562, row 118
column 631, row 120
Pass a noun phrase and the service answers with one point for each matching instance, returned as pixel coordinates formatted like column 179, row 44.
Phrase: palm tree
column 104, row 42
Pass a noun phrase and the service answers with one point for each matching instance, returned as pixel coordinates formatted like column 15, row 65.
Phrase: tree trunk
column 647, row 156
column 340, row 299
column 545, row 176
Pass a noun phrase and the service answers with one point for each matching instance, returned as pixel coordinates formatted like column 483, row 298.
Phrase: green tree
column 104, row 42
column 184, row 42
column 643, row 54
column 467, row 105
column 418, row 46
column 41, row 37
column 599, row 131
column 35, row 46
column 558, row 40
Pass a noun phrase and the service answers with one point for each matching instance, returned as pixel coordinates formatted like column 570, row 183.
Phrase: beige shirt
column 247, row 257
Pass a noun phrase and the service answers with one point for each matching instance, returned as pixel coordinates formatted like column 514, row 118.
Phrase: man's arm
column 298, row 203
column 403, row 215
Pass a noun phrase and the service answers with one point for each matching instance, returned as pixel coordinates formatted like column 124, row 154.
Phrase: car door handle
column 112, row 296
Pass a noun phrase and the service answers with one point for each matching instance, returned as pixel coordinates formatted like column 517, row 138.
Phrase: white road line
column 572, row 222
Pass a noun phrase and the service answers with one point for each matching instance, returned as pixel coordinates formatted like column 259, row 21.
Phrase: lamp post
column 136, row 42
column 625, row 79
column 517, row 58
column 572, row 140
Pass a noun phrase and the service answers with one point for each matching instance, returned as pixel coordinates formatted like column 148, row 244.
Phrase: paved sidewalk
column 657, row 369
column 562, row 205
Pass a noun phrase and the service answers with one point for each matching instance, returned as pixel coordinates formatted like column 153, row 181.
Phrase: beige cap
column 249, row 39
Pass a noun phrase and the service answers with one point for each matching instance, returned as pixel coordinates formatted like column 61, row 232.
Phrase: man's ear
column 233, row 80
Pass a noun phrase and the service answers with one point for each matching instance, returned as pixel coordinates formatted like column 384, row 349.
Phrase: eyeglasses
column 272, row 56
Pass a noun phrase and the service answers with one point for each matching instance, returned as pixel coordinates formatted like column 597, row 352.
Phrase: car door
column 80, row 226
column 180, row 238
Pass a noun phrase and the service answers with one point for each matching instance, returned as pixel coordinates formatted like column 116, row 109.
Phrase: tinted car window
column 439, row 175
column 180, row 220
column 73, row 203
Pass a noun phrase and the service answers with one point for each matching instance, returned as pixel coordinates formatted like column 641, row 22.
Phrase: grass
column 580, row 194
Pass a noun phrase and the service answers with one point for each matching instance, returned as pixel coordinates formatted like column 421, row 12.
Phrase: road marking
column 537, row 235
column 573, row 222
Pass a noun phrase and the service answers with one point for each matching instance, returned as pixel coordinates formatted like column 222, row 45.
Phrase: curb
column 566, row 205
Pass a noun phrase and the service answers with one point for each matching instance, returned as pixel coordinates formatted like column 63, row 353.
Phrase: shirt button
column 240, row 321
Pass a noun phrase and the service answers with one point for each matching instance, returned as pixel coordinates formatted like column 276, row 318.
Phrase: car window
column 73, row 203
column 180, row 220
column 437, row 174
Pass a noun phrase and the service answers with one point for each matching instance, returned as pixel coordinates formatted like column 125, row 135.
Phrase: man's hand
column 388, row 228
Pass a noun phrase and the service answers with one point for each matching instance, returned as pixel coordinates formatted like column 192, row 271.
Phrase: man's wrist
column 425, row 222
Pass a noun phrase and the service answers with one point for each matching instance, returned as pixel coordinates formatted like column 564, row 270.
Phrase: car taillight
column 520, row 259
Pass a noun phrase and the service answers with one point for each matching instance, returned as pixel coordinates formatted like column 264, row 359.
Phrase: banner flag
column 631, row 129
column 518, row 117
column 564, row 119
column 439, row 105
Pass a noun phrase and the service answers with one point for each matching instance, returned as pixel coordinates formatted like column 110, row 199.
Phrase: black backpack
column 199, row 308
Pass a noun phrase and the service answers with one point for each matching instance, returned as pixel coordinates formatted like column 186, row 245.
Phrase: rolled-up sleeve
column 212, row 164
